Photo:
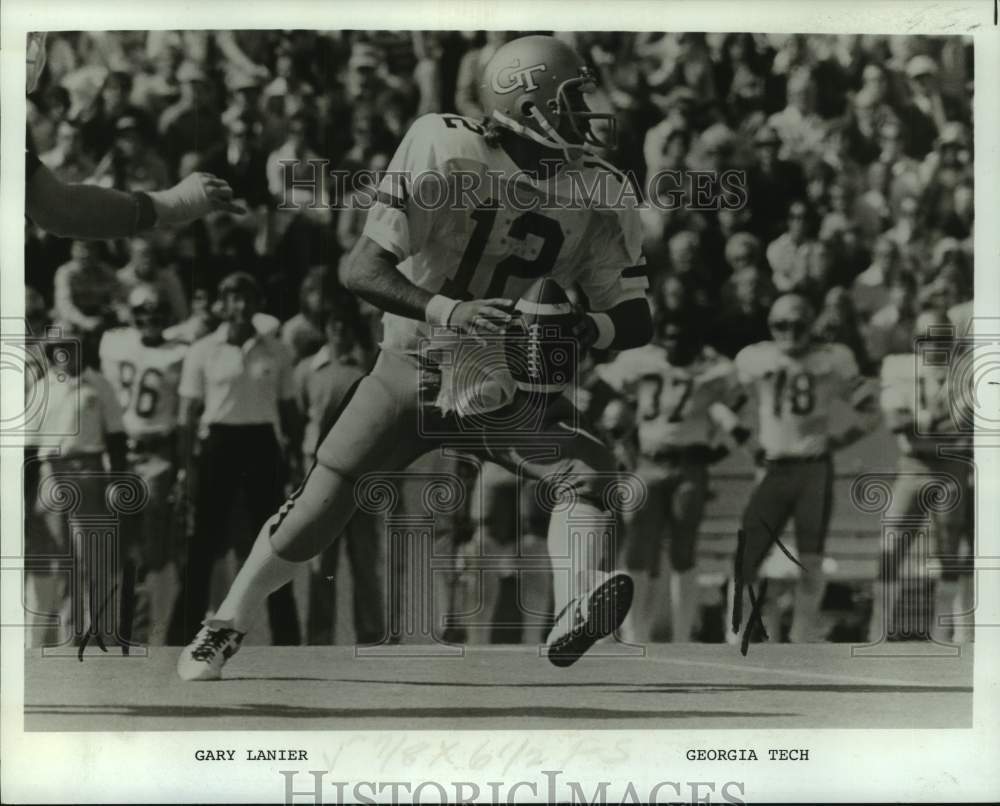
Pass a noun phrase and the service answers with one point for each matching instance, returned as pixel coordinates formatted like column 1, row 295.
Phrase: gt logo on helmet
column 508, row 79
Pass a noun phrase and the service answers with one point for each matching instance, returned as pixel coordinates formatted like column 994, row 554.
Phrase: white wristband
column 184, row 202
column 605, row 330
column 440, row 309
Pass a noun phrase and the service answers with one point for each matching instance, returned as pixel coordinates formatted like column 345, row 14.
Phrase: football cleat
column 589, row 618
column 204, row 657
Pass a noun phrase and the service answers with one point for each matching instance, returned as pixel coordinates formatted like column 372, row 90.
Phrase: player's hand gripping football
column 481, row 315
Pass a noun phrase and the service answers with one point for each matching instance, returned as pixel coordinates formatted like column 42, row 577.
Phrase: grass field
column 506, row 687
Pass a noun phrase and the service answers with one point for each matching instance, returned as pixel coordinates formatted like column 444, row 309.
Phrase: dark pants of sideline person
column 234, row 457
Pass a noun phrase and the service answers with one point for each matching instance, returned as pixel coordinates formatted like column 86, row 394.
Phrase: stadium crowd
column 856, row 152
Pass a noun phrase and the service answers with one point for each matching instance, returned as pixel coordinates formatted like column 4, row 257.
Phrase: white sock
column 579, row 549
column 261, row 575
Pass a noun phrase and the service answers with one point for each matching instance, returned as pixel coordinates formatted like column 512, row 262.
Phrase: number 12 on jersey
column 528, row 223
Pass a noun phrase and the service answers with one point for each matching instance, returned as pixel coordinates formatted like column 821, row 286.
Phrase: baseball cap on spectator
column 952, row 134
column 364, row 55
column 921, row 66
column 766, row 136
column 717, row 138
column 190, row 71
column 143, row 296
column 126, row 123
column 239, row 282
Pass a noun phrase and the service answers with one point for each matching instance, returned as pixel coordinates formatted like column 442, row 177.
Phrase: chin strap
column 571, row 151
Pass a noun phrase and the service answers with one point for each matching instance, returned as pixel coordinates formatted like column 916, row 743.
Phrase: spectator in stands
column 132, row 164
column 111, row 105
column 870, row 290
column 945, row 169
column 924, row 115
column 772, row 185
column 791, row 254
column 45, row 115
column 909, row 233
column 891, row 327
column 88, row 295
column 243, row 101
column 192, row 124
column 801, row 130
column 742, row 315
column 869, row 115
column 242, row 163
column 142, row 269
column 67, row 158
column 470, row 71
column 201, row 322
column 904, row 173
column 837, row 323
column 303, row 333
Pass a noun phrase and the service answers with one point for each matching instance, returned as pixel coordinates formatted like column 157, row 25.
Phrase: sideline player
column 456, row 267
column 685, row 394
column 145, row 371
column 796, row 381
column 89, row 212
column 920, row 406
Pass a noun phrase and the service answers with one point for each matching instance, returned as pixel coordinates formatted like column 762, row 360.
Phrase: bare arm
column 373, row 276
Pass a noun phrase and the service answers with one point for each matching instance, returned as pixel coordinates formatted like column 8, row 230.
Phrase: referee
column 236, row 392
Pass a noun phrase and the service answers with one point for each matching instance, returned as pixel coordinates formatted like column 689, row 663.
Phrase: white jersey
column 923, row 391
column 674, row 403
column 145, row 379
column 795, row 394
column 484, row 242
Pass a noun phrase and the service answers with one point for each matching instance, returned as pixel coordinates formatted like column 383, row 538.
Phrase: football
column 541, row 349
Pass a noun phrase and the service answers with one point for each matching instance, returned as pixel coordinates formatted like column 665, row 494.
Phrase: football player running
column 924, row 410
column 796, row 382
column 685, row 395
column 145, row 370
column 446, row 275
